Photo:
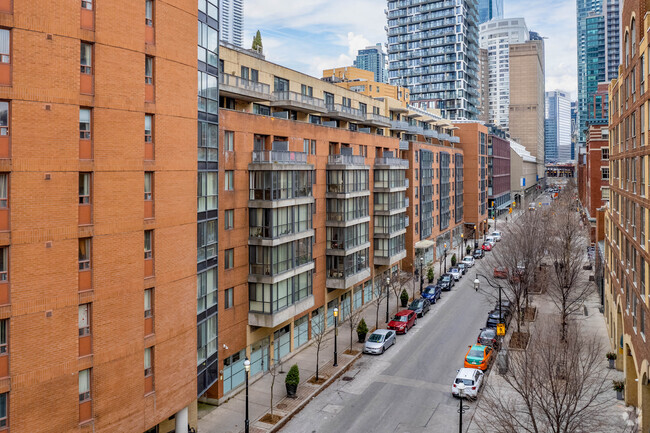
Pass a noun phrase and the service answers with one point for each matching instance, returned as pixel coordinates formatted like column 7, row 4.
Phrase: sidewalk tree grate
column 347, row 378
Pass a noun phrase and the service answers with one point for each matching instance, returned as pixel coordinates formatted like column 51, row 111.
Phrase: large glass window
column 272, row 223
column 207, row 240
column 84, row 254
column 347, row 209
column 148, row 70
column 84, row 385
column 208, row 44
column 148, row 128
column 271, row 298
column 84, row 320
column 84, row 124
column 347, row 181
column 343, row 267
column 86, row 58
column 207, row 191
column 5, row 46
column 84, row 188
column 280, row 185
column 148, row 16
column 347, row 237
column 206, row 283
column 282, row 258
column 207, row 339
column 208, row 141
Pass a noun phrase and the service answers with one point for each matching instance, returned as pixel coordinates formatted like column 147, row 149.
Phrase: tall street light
column 477, row 285
column 460, row 245
column 421, row 274
column 445, row 258
column 461, row 408
column 336, row 333
column 387, row 297
column 475, row 237
column 247, row 367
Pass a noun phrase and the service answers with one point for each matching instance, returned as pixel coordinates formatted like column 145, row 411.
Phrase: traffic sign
column 501, row 329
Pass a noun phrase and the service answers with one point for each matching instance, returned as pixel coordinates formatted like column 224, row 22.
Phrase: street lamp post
column 461, row 408
column 445, row 258
column 421, row 275
column 477, row 284
column 475, row 237
column 336, row 333
column 387, row 297
column 247, row 367
column 460, row 245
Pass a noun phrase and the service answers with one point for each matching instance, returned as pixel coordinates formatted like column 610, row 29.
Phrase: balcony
column 399, row 125
column 338, row 111
column 390, row 260
column 454, row 139
column 272, row 320
column 297, row 101
column 240, row 88
column 444, row 136
column 346, row 160
column 278, row 157
column 431, row 133
column 403, row 145
column 392, row 162
column 338, row 280
column 378, row 120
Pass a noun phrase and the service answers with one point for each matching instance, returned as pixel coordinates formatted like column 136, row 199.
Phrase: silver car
column 379, row 341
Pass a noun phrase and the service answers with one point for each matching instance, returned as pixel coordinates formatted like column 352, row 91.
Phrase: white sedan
column 496, row 236
column 455, row 272
column 379, row 341
column 469, row 261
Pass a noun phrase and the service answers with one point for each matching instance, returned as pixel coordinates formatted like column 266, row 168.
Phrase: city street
column 408, row 389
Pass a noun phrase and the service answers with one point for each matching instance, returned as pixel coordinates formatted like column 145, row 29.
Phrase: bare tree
column 318, row 335
column 353, row 320
column 567, row 250
column 380, row 294
column 551, row 386
column 273, row 371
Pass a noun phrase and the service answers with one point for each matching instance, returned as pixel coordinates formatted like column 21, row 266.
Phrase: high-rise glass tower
column 489, row 10
column 433, row 51
column 557, row 127
column 598, row 51
column 496, row 36
column 231, row 17
column 373, row 59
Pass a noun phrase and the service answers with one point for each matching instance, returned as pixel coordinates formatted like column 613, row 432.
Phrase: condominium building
column 433, row 51
column 375, row 60
column 98, row 217
column 557, row 127
column 231, row 18
column 318, row 201
column 498, row 171
column 362, row 81
column 490, row 10
column 626, row 219
column 484, row 89
column 496, row 36
column 527, row 94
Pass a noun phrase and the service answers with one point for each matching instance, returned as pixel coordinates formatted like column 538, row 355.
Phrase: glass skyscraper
column 489, row 10
column 433, row 51
column 373, row 59
column 598, row 55
column 557, row 127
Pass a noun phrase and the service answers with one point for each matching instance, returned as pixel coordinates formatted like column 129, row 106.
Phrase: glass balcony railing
column 243, row 84
column 279, row 156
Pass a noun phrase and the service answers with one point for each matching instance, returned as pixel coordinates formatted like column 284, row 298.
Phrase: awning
column 505, row 205
column 422, row 245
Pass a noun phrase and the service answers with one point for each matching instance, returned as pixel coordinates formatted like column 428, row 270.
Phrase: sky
column 313, row 35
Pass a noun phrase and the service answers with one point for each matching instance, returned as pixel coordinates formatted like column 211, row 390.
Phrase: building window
column 148, row 241
column 148, row 185
column 148, row 303
column 84, row 124
column 229, row 219
column 206, row 289
column 84, row 254
column 207, row 240
column 84, row 320
column 229, row 258
column 148, row 70
column 228, row 298
column 148, row 361
column 604, row 173
column 148, row 128
column 642, row 321
column 87, row 4
column 604, row 153
column 4, row 118
column 84, row 188
column 4, row 334
column 86, row 58
column 148, row 20
column 84, row 385
column 229, row 179
column 5, row 46
column 229, row 142
column 207, row 186
column 207, row 339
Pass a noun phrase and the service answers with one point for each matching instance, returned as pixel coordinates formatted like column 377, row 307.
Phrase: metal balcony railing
column 346, row 159
column 279, row 156
column 243, row 84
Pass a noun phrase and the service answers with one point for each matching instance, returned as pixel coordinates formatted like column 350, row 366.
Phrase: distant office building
column 373, row 59
column 231, row 15
column 484, row 89
column 557, row 125
column 527, row 93
column 598, row 51
column 433, row 51
column 489, row 10
column 496, row 36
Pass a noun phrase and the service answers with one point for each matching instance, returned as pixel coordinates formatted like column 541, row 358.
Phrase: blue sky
column 312, row 35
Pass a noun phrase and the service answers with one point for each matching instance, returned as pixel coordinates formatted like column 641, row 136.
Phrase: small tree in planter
column 404, row 298
column 453, row 260
column 611, row 356
column 362, row 330
column 292, row 380
column 468, row 250
column 430, row 275
column 619, row 387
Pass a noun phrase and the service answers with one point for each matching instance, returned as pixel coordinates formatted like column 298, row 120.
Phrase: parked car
column 462, row 267
column 432, row 293
column 488, row 337
column 493, row 318
column 478, row 253
column 471, row 378
column 420, row 306
column 500, row 272
column 531, row 206
column 468, row 261
column 379, row 341
column 403, row 321
column 490, row 240
column 446, row 282
column 478, row 356
column 505, row 305
column 496, row 236
column 455, row 272
column 486, row 246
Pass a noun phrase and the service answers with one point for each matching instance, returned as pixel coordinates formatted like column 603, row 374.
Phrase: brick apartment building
column 324, row 192
column 95, row 334
column 498, row 171
column 626, row 219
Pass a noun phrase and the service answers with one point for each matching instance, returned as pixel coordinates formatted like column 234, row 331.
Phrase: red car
column 486, row 247
column 403, row 321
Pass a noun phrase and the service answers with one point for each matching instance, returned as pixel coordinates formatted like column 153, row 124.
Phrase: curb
column 309, row 398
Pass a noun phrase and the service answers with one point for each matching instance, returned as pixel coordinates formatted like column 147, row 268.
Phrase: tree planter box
column 291, row 390
column 612, row 363
column 619, row 395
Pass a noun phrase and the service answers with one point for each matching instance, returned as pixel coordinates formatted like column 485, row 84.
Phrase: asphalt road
column 408, row 388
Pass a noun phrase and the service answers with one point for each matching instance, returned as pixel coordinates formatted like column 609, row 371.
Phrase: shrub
column 362, row 328
column 430, row 274
column 610, row 355
column 404, row 297
column 453, row 260
column 618, row 385
column 293, row 376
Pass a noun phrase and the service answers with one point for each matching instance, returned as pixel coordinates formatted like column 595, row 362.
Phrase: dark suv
column 478, row 253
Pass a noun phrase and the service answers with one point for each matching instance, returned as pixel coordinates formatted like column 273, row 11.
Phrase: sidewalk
column 229, row 417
